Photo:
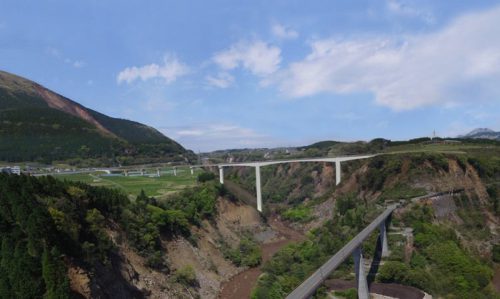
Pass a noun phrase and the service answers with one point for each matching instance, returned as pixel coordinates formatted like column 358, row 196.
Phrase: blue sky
column 233, row 74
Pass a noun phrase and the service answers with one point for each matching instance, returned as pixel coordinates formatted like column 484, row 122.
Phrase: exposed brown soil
column 496, row 279
column 386, row 289
column 241, row 285
column 79, row 282
column 60, row 103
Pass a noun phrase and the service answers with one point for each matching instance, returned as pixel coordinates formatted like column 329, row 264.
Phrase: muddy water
column 241, row 285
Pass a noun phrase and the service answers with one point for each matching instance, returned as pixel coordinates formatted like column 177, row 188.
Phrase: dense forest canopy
column 47, row 225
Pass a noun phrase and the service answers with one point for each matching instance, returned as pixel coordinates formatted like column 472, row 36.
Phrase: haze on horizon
column 264, row 74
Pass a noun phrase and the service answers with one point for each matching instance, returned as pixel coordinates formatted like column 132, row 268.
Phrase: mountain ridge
column 482, row 133
column 38, row 120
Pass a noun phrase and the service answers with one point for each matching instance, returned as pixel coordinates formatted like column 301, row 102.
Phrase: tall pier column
column 258, row 188
column 383, row 239
column 359, row 265
column 338, row 172
column 175, row 171
column 142, row 172
column 192, row 170
column 158, row 172
column 221, row 175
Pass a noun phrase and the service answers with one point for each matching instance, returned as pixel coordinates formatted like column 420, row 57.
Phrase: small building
column 11, row 170
column 16, row 170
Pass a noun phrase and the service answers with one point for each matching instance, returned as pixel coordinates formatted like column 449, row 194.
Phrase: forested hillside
column 56, row 235
column 40, row 125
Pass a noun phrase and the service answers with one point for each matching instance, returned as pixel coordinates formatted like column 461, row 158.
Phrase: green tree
column 54, row 275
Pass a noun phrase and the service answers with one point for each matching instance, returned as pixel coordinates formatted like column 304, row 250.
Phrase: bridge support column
column 258, row 188
column 142, row 172
column 338, row 172
column 158, row 172
column 221, row 175
column 383, row 239
column 362, row 284
column 175, row 171
column 192, row 170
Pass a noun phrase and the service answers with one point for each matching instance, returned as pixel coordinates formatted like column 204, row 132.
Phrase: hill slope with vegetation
column 40, row 125
column 62, row 239
column 455, row 235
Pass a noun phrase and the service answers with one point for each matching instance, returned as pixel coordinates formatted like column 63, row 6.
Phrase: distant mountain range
column 482, row 133
column 37, row 124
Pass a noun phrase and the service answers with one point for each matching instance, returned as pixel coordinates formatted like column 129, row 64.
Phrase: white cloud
column 170, row 70
column 258, row 57
column 158, row 105
column 222, row 80
column 459, row 63
column 407, row 10
column 283, row 32
column 209, row 137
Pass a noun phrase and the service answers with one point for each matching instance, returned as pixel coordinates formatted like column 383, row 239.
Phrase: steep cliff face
column 129, row 276
column 390, row 177
column 447, row 226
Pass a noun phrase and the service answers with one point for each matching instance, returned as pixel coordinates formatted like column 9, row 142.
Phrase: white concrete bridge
column 259, row 164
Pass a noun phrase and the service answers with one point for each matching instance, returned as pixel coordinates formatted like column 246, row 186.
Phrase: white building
column 11, row 170
column 16, row 170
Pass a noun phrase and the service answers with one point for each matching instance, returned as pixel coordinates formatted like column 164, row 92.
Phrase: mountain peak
column 482, row 133
column 479, row 131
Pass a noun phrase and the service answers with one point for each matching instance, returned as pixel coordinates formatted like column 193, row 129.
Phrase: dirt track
column 386, row 289
column 241, row 285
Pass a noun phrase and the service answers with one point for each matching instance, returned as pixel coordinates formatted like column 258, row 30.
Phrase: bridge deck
column 307, row 288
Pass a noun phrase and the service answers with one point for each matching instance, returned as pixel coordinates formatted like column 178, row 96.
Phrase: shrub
column 298, row 214
column 205, row 177
column 186, row 276
column 347, row 294
column 247, row 254
column 495, row 253
column 392, row 271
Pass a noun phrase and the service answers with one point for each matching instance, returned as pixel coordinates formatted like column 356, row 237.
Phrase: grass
column 298, row 214
column 460, row 148
column 132, row 185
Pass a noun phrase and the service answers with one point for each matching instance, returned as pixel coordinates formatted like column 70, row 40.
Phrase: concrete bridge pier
column 362, row 284
column 383, row 239
column 158, row 172
column 126, row 173
column 175, row 171
column 338, row 172
column 258, row 188
column 221, row 175
column 142, row 172
column 192, row 170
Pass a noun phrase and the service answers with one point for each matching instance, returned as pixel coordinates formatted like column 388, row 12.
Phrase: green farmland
column 132, row 185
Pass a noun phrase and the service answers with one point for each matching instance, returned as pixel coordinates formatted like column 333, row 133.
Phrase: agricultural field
column 166, row 184
column 459, row 148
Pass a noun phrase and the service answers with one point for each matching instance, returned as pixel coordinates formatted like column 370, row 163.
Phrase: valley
column 152, row 224
column 250, row 149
